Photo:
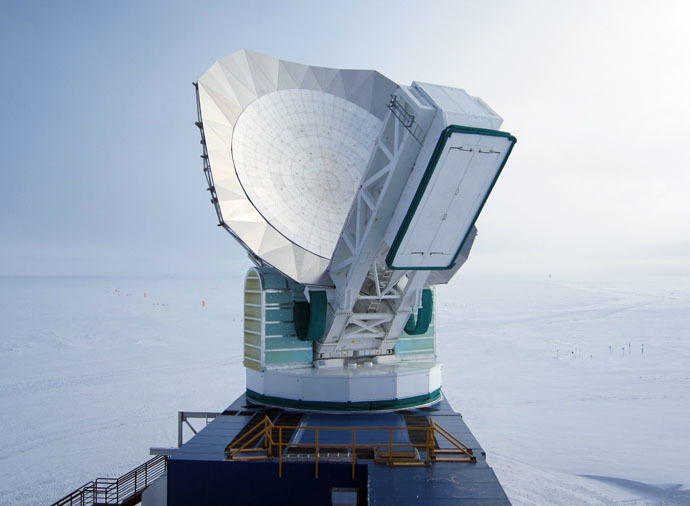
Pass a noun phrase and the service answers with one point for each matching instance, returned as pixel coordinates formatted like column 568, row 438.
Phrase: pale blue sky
column 100, row 157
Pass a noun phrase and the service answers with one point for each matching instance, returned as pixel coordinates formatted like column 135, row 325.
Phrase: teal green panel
column 415, row 345
column 301, row 317
column 278, row 297
column 280, row 329
column 317, row 315
column 278, row 357
column 310, row 317
column 279, row 315
column 424, row 315
column 273, row 343
column 429, row 333
column 411, row 324
column 273, row 280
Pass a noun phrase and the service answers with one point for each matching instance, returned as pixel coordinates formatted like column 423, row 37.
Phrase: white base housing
column 384, row 384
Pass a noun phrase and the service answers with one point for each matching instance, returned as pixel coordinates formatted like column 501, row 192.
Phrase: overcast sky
column 100, row 156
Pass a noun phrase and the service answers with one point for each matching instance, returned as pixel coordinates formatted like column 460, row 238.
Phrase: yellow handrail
column 452, row 439
column 267, row 427
column 260, row 432
column 354, row 452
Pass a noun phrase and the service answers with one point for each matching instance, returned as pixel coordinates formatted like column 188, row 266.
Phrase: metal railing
column 183, row 417
column 260, row 442
column 209, row 176
column 120, row 490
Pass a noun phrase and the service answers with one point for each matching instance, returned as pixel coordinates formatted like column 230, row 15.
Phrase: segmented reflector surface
column 299, row 155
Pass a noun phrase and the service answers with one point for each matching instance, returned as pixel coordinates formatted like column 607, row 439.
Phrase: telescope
column 354, row 197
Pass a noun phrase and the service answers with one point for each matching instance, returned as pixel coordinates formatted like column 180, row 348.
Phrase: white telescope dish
column 354, row 197
column 288, row 144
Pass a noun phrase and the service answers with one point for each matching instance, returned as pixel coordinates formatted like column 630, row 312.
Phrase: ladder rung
column 395, row 454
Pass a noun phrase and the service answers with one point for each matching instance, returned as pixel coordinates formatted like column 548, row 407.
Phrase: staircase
column 123, row 491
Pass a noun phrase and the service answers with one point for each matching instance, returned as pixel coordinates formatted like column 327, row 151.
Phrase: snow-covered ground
column 549, row 374
column 559, row 380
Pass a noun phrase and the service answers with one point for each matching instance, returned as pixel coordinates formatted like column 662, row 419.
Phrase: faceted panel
column 288, row 144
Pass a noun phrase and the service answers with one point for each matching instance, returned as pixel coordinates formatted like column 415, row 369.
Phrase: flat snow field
column 578, row 390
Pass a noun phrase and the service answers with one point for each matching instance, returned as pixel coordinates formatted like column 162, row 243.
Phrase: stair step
column 455, row 459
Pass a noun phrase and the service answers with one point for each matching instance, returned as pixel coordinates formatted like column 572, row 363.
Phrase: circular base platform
column 347, row 407
column 375, row 387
